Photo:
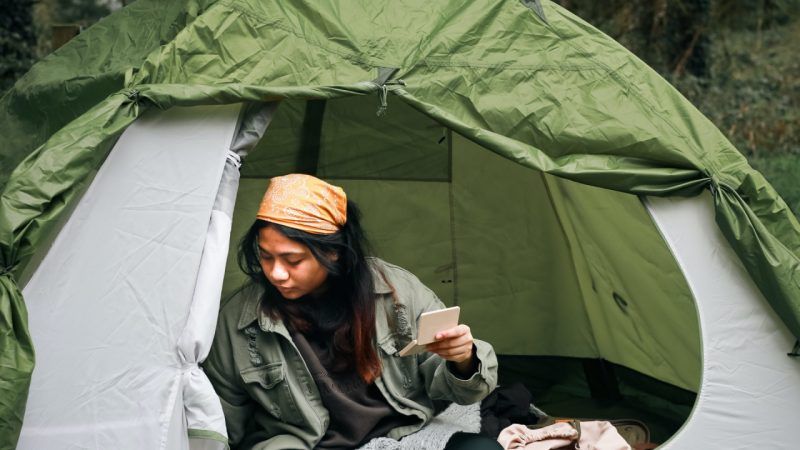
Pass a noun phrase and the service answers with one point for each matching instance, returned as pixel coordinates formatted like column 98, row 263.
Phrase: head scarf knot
column 305, row 203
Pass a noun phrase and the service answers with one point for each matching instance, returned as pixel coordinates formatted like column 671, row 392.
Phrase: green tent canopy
column 524, row 165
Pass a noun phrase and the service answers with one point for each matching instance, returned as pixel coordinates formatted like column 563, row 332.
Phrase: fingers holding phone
column 440, row 333
column 454, row 344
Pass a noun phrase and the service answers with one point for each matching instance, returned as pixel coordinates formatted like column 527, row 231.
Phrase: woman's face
column 289, row 265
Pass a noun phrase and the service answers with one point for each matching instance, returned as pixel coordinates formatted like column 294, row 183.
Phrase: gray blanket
column 435, row 434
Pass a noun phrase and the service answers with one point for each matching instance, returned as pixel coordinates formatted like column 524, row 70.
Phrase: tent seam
column 508, row 66
column 451, row 202
column 572, row 251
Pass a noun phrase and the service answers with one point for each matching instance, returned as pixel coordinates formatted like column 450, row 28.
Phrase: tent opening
column 573, row 285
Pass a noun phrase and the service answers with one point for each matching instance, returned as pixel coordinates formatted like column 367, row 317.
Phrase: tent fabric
column 253, row 122
column 123, row 305
column 747, row 375
column 650, row 299
column 557, row 96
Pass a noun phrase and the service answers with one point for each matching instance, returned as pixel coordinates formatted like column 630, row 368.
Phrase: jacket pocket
column 399, row 372
column 267, row 384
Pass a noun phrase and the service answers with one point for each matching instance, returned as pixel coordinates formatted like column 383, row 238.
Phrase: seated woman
column 306, row 355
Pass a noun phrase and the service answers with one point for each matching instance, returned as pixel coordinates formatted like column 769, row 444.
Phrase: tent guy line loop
column 383, row 93
column 132, row 94
column 382, row 82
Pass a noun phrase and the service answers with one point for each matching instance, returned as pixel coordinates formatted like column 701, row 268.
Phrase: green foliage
column 754, row 95
column 755, row 14
column 79, row 11
column 17, row 41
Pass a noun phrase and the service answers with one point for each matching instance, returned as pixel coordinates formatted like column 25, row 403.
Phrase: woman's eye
column 265, row 256
column 295, row 262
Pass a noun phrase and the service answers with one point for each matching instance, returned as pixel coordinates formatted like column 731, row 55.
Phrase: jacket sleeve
column 220, row 368
column 441, row 382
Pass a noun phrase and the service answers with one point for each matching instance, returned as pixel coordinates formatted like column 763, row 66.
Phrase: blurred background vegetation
column 734, row 59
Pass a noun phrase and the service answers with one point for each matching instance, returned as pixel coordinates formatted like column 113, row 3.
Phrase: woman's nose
column 278, row 272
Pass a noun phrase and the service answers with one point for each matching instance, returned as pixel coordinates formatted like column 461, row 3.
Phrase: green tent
column 524, row 165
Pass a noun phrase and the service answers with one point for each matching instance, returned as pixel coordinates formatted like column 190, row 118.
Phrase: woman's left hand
column 456, row 345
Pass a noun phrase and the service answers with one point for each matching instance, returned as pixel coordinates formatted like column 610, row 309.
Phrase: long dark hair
column 350, row 289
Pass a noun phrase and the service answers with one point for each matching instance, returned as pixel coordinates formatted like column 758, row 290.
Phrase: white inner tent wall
column 115, row 321
column 750, row 389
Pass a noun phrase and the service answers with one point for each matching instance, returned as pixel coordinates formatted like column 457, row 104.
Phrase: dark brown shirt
column 358, row 411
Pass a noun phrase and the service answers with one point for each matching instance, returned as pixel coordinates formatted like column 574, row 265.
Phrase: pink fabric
column 595, row 435
column 518, row 436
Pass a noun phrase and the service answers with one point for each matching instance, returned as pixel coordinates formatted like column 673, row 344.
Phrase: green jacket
column 269, row 397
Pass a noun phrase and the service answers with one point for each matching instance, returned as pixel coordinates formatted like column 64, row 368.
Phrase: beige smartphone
column 428, row 325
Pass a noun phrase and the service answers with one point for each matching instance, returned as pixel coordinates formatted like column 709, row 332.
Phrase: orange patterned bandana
column 305, row 203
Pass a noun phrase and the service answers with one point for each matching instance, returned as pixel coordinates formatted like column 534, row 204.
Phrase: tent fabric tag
column 535, row 6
